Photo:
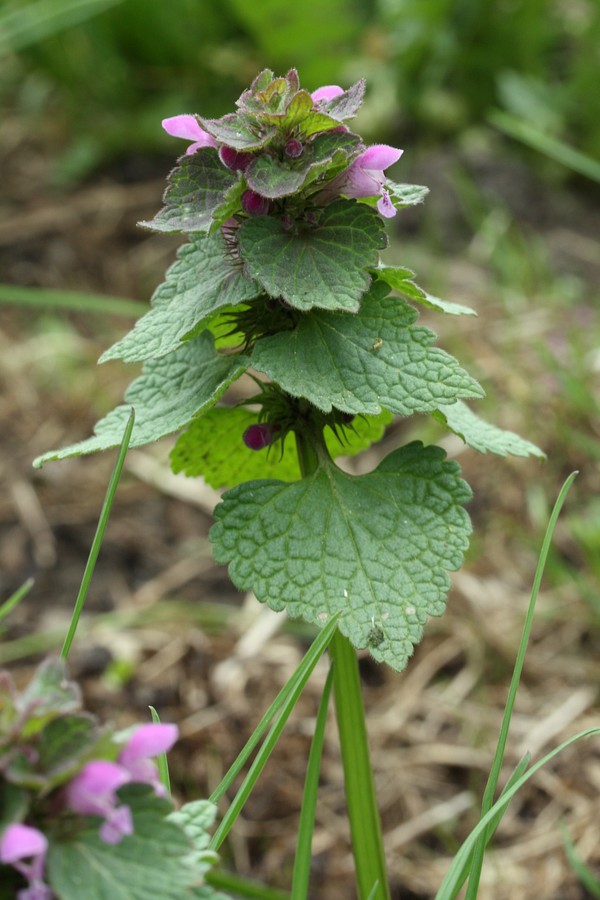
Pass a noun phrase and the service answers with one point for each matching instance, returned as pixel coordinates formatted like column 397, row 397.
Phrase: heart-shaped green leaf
column 333, row 359
column 375, row 548
column 322, row 265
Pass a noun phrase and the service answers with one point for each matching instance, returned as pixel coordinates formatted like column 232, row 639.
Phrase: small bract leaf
column 375, row 548
column 169, row 393
column 345, row 105
column 238, row 131
column 481, row 435
column 361, row 363
column 401, row 280
column 273, row 177
column 202, row 281
column 197, row 186
column 315, row 266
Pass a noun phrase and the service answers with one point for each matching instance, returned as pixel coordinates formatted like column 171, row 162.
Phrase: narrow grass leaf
column 492, row 783
column 97, row 542
column 585, row 875
column 283, row 705
column 301, row 874
column 15, row 598
column 451, row 883
column 41, row 298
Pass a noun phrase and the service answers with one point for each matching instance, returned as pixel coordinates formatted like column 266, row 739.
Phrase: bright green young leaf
column 320, row 265
column 401, row 280
column 197, row 187
column 376, row 548
column 64, row 744
column 199, row 451
column 154, row 861
column 333, row 359
column 273, row 177
column 481, row 435
column 169, row 393
column 202, row 281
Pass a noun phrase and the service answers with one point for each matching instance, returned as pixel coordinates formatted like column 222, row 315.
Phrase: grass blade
column 451, row 883
column 301, row 874
column 300, row 676
column 41, row 298
column 544, row 143
column 97, row 542
column 494, row 775
column 15, row 599
column 291, row 692
column 584, row 874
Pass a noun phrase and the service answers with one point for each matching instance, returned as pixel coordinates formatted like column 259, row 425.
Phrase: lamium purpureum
column 283, row 209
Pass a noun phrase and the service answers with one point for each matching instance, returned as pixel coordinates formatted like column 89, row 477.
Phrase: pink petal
column 117, row 825
column 92, row 789
column 385, row 205
column 327, row 92
column 21, row 841
column 186, row 126
column 147, row 741
column 378, row 157
column 360, row 182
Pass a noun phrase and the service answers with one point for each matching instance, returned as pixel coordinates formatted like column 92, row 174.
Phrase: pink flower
column 147, row 741
column 186, row 126
column 327, row 92
column 365, row 178
column 93, row 791
column 21, row 842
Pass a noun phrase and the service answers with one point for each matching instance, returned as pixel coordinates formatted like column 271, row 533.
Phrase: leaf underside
column 375, row 548
column 199, row 450
column 483, row 436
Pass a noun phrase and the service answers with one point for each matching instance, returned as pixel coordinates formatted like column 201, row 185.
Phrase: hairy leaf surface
column 197, row 187
column 202, row 281
column 315, row 266
column 376, row 548
column 375, row 359
column 169, row 393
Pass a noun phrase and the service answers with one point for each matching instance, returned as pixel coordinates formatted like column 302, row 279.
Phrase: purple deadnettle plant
column 282, row 209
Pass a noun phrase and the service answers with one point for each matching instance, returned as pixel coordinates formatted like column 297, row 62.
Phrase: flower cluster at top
column 49, row 778
column 278, row 131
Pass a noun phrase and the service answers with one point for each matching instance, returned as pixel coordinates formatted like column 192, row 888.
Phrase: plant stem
column 363, row 813
column 361, row 800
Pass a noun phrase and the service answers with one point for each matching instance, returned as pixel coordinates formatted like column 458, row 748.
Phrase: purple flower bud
column 294, row 148
column 254, row 204
column 257, row 437
column 236, row 160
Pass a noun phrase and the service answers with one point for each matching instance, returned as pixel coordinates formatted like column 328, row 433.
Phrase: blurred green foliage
column 108, row 70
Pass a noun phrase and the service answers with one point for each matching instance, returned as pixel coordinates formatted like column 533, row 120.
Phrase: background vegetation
column 496, row 105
